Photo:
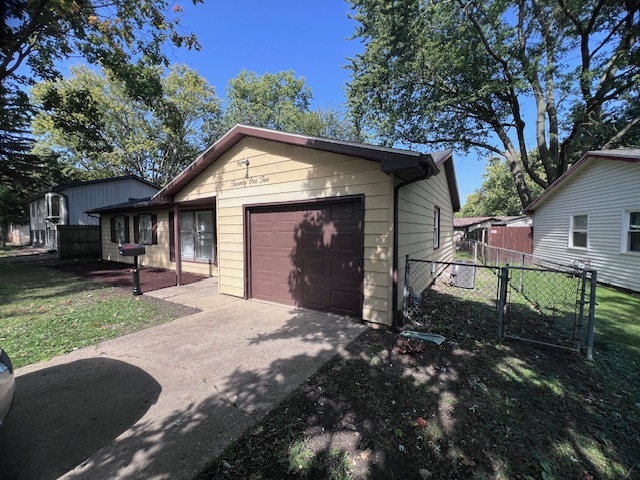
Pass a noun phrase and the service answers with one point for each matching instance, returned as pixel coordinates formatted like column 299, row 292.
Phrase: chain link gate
column 540, row 305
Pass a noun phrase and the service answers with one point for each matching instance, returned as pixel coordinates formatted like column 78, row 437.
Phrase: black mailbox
column 134, row 251
column 131, row 250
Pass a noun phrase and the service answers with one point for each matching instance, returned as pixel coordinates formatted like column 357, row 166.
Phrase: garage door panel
column 345, row 270
column 341, row 300
column 313, row 256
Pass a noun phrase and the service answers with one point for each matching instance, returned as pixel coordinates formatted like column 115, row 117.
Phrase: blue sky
column 310, row 37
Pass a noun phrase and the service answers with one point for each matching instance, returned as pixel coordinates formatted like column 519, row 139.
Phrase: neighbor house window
column 631, row 231
column 54, row 210
column 120, row 229
column 144, row 229
column 578, row 237
column 196, row 235
column 436, row 227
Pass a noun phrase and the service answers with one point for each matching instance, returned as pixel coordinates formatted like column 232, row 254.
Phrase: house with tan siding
column 591, row 216
column 298, row 220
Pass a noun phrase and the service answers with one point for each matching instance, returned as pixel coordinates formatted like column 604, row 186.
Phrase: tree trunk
column 518, row 178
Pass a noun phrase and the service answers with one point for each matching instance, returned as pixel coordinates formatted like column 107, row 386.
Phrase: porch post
column 177, row 243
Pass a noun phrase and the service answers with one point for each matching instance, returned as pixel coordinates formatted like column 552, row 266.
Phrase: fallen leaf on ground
column 468, row 462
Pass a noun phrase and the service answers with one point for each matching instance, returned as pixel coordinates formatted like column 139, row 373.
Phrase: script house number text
column 250, row 181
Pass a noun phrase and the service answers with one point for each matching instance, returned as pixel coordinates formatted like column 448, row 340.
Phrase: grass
column 45, row 312
column 472, row 408
column 10, row 250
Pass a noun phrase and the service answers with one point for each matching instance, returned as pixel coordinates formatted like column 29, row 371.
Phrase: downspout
column 429, row 170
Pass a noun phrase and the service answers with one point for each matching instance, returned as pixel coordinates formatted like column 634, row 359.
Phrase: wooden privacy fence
column 78, row 240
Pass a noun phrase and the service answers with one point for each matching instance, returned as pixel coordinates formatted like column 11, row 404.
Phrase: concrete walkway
column 164, row 402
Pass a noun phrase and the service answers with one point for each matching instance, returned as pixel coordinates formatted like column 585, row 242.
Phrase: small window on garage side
column 436, row 228
column 631, row 231
column 579, row 231
column 120, row 229
column 145, row 229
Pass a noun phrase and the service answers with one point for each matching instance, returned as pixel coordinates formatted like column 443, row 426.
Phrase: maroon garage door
column 308, row 255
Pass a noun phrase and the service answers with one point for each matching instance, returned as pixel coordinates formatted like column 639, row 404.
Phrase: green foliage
column 47, row 313
column 281, row 101
column 124, row 36
column 498, row 195
column 91, row 120
column 465, row 75
column 120, row 35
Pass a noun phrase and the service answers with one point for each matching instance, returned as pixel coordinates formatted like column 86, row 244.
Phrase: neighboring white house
column 66, row 204
column 591, row 215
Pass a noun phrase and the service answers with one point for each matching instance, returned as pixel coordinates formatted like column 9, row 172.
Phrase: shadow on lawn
column 490, row 411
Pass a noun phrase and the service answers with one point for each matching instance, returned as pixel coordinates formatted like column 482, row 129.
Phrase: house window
column 578, row 237
column 145, row 229
column 196, row 235
column 54, row 206
column 631, row 231
column 436, row 227
column 120, row 229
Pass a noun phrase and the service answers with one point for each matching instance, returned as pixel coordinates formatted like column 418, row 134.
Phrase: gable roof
column 403, row 163
column 462, row 222
column 620, row 155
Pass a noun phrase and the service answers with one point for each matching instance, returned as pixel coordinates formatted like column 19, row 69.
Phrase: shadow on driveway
column 66, row 413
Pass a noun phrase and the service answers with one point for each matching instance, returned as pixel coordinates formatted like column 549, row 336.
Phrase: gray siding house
column 66, row 204
column 591, row 216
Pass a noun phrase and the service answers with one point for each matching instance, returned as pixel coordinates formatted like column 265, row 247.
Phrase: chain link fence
column 541, row 305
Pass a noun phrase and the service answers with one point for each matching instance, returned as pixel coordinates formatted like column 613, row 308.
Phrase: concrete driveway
column 164, row 402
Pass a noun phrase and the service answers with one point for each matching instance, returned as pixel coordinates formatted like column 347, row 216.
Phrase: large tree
column 92, row 122
column 558, row 77
column 37, row 36
column 497, row 196
column 282, row 102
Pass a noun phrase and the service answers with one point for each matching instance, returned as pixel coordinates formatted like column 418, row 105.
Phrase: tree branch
column 619, row 135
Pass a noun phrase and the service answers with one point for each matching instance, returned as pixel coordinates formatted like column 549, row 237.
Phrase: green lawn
column 45, row 312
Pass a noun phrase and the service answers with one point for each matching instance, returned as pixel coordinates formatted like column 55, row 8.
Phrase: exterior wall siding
column 416, row 203
column 156, row 255
column 604, row 189
column 95, row 195
column 280, row 173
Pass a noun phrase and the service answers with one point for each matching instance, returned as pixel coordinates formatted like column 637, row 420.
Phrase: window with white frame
column 631, row 231
column 120, row 229
column 196, row 235
column 144, row 228
column 436, row 227
column 579, row 231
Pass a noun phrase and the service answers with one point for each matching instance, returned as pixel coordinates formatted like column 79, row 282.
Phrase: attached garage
column 307, row 222
column 309, row 255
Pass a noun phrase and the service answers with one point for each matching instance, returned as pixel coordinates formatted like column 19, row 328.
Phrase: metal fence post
column 592, row 314
column 521, row 275
column 581, row 301
column 405, row 291
column 502, row 299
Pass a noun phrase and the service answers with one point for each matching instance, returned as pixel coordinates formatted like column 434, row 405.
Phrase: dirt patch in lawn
column 121, row 274
column 469, row 408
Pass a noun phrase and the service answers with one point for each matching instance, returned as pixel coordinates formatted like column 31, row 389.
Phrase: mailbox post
column 134, row 251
